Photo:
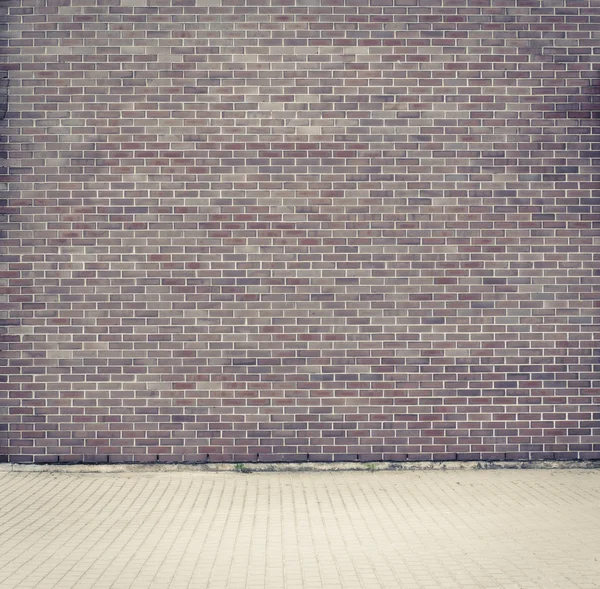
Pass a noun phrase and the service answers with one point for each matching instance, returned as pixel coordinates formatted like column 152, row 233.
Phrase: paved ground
column 182, row 529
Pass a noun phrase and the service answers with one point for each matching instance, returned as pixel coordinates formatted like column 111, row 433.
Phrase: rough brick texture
column 301, row 230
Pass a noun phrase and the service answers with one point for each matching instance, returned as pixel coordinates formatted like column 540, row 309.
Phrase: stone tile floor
column 183, row 529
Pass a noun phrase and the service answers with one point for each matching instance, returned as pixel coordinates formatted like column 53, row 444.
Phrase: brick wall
column 301, row 230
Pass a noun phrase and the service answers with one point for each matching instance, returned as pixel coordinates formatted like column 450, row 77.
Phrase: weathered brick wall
column 302, row 230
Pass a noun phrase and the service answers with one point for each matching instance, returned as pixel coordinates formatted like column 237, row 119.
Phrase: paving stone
column 488, row 529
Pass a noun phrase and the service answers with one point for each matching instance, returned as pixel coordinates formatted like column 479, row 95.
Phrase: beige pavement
column 184, row 529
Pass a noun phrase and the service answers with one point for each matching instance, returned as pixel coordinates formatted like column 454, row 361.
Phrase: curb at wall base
column 301, row 467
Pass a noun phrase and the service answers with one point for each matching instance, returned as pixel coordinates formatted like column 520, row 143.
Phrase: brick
column 271, row 231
